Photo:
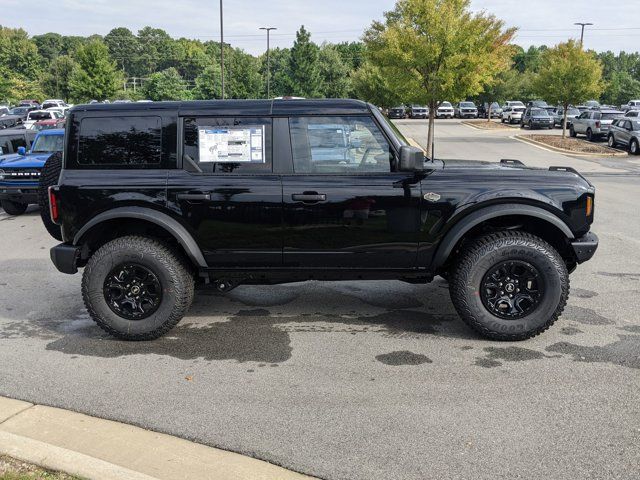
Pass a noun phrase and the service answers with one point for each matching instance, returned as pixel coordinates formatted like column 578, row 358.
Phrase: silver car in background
column 625, row 132
column 445, row 110
column 594, row 123
column 558, row 115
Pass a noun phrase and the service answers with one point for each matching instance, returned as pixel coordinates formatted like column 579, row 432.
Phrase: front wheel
column 634, row 148
column 572, row 132
column 590, row 136
column 611, row 141
column 136, row 288
column 14, row 208
column 509, row 285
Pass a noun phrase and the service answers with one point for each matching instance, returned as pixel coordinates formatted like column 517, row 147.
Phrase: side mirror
column 411, row 159
column 22, row 151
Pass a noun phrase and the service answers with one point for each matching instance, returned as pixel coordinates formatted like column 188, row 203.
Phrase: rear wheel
column 590, row 136
column 14, row 208
column 509, row 285
column 634, row 148
column 48, row 178
column 572, row 132
column 611, row 141
column 136, row 288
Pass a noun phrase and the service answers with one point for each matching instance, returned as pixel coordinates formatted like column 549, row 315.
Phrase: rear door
column 227, row 192
column 345, row 207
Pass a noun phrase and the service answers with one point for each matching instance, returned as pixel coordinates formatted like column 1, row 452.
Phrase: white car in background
column 54, row 103
column 445, row 110
column 512, row 113
column 61, row 110
column 38, row 115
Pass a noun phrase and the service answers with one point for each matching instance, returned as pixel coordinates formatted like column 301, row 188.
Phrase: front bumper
column 65, row 258
column 19, row 194
column 585, row 247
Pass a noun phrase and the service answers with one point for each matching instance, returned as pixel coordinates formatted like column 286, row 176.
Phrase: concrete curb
column 63, row 460
column 544, row 146
column 502, row 128
column 99, row 449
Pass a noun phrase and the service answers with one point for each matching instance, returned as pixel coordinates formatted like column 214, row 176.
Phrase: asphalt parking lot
column 359, row 380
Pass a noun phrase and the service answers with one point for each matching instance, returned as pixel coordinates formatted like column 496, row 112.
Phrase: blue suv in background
column 20, row 173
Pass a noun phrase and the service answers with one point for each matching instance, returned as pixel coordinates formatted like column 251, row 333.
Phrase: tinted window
column 339, row 145
column 609, row 116
column 540, row 112
column 635, row 125
column 127, row 141
column 18, row 142
column 224, row 145
column 48, row 144
column 4, row 147
column 39, row 115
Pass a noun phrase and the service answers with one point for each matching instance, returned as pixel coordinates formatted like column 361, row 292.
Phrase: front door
column 344, row 205
column 227, row 192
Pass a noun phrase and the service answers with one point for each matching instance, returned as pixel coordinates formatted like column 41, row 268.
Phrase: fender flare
column 465, row 224
column 171, row 225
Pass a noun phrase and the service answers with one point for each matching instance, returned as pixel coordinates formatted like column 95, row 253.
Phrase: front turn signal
column 589, row 206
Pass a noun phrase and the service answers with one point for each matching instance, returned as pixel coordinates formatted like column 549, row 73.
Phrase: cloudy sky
column 540, row 21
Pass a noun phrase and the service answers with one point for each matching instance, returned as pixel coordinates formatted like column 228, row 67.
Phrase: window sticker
column 231, row 144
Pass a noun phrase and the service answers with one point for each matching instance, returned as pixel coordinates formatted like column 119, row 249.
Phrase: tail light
column 597, row 124
column 53, row 205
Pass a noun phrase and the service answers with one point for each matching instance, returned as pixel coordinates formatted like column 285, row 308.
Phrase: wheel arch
column 123, row 217
column 539, row 221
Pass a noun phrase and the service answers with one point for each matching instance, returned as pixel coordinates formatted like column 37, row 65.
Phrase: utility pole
column 222, row 48
column 582, row 25
column 268, row 29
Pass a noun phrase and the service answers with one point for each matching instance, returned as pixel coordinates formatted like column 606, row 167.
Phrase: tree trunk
column 564, row 122
column 433, row 107
column 489, row 113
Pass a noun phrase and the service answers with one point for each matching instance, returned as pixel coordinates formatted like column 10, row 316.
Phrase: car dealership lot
column 358, row 380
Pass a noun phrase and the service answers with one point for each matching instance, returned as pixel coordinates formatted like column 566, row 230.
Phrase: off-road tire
column 171, row 269
column 634, row 148
column 13, row 208
column 49, row 177
column 483, row 254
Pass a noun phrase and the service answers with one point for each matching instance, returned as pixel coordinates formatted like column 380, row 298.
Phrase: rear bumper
column 585, row 247
column 65, row 258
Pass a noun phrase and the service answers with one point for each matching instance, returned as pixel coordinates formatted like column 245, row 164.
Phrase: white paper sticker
column 231, row 144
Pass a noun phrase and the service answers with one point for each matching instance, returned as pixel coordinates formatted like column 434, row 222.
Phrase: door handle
column 194, row 197
column 309, row 197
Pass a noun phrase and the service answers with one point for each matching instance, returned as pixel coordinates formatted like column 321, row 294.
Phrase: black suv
column 155, row 198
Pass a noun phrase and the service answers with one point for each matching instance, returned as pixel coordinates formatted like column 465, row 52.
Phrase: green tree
column 56, row 82
column 435, row 50
column 334, row 73
column 95, row 76
column 242, row 74
column 50, row 46
column 18, row 54
column 165, row 85
column 568, row 76
column 124, row 49
column 279, row 59
column 304, row 71
column 208, row 83
column 372, row 86
column 621, row 88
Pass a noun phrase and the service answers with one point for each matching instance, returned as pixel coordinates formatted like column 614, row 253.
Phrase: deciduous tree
column 165, row 85
column 436, row 50
column 96, row 76
column 568, row 76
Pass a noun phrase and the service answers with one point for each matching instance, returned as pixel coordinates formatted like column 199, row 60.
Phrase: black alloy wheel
column 512, row 289
column 132, row 291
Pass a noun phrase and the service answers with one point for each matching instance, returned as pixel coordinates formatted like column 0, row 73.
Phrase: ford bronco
column 154, row 199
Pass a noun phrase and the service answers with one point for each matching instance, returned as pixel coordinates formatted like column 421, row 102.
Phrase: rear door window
column 227, row 145
column 120, row 141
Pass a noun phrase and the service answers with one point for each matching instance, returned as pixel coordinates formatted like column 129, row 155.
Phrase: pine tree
column 304, row 70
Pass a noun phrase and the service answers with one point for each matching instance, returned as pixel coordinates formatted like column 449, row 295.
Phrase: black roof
column 17, row 131
column 240, row 107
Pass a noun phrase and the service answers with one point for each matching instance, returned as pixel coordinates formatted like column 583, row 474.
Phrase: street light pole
column 582, row 25
column 268, row 29
column 222, row 48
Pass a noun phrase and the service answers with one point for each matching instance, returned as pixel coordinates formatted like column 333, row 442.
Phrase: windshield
column 39, row 116
column 48, row 144
column 19, row 111
column 445, row 105
column 573, row 111
column 467, row 104
column 540, row 112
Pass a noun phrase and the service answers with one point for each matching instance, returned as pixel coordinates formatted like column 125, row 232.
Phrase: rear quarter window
column 125, row 141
